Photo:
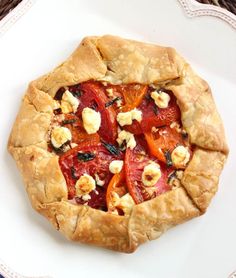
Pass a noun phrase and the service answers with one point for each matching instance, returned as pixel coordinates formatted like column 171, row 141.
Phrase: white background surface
column 204, row 247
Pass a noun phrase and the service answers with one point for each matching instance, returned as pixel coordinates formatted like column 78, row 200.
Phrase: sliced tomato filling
column 135, row 162
column 96, row 161
column 156, row 136
column 116, row 189
column 162, row 141
column 93, row 96
column 131, row 95
column 152, row 116
column 78, row 132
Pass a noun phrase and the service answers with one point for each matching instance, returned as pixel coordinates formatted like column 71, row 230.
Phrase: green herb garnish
column 111, row 102
column 67, row 122
column 73, row 173
column 111, row 148
column 85, row 156
column 169, row 162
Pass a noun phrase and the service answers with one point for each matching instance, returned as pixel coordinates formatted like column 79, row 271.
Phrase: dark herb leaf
column 122, row 147
column 61, row 149
column 59, row 93
column 57, row 111
column 155, row 110
column 94, row 105
column 111, row 102
column 67, row 122
column 171, row 176
column 169, row 162
column 73, row 173
column 75, row 90
column 184, row 134
column 111, row 148
column 161, row 126
column 148, row 97
column 163, row 90
column 85, row 156
column 56, row 150
column 77, row 93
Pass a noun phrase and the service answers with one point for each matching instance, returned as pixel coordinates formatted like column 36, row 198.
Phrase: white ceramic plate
column 42, row 38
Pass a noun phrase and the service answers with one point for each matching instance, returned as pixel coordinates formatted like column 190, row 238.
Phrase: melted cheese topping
column 126, row 203
column 109, row 92
column 161, row 99
column 116, row 166
column 84, row 185
column 151, row 174
column 180, row 156
column 69, row 103
column 126, row 118
column 59, row 136
column 91, row 120
column 99, row 182
column 128, row 138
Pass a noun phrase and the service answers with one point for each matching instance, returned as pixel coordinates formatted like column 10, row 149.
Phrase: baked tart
column 119, row 143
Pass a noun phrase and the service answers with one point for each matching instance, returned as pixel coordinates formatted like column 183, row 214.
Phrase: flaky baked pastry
column 112, row 104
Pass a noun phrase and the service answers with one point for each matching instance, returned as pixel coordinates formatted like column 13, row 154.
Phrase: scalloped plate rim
column 194, row 9
column 15, row 15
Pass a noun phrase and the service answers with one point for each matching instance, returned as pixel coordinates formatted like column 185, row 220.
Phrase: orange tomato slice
column 164, row 139
column 115, row 186
column 130, row 94
column 78, row 132
column 133, row 96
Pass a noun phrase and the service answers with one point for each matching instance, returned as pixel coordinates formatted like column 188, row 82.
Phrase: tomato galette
column 119, row 143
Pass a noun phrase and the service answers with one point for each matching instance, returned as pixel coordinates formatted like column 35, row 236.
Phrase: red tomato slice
column 154, row 116
column 72, row 168
column 135, row 161
column 165, row 139
column 135, row 128
column 116, row 185
column 93, row 95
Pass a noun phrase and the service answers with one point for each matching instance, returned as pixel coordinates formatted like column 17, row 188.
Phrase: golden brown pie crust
column 119, row 61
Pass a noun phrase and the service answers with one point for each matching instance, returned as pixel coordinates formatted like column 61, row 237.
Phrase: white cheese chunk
column 55, row 104
column 73, row 145
column 86, row 197
column 136, row 115
column 161, row 99
column 91, row 120
column 119, row 103
column 180, row 156
column 126, row 203
column 99, row 182
column 151, row 174
column 109, row 92
column 69, row 103
column 59, row 136
column 128, row 138
column 84, row 185
column 116, row 166
column 126, row 118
